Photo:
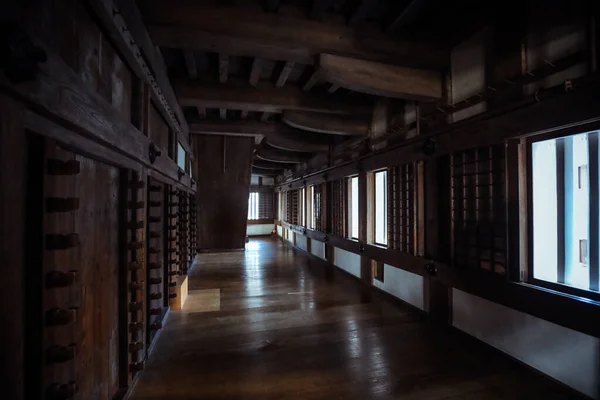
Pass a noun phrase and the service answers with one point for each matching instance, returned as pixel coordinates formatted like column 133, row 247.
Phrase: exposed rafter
column 285, row 73
column 246, row 30
column 265, row 97
column 312, row 80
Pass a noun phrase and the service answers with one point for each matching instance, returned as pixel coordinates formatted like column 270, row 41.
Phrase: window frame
column 373, row 200
column 527, row 273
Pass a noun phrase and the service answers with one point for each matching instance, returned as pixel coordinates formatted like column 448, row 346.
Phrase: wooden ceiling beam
column 278, row 135
column 266, row 172
column 263, row 98
column 381, row 79
column 246, row 30
column 327, row 123
column 190, row 63
column 285, row 73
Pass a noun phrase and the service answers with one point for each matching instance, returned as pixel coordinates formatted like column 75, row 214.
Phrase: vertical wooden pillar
column 437, row 296
column 363, row 211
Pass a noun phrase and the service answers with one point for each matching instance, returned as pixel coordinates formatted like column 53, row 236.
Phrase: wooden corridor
column 270, row 324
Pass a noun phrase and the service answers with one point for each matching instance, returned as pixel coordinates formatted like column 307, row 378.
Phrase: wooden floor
column 268, row 324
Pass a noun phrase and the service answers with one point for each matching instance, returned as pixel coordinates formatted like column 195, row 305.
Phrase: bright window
column 310, row 204
column 302, row 206
column 381, row 207
column 253, row 206
column 353, row 206
column 562, row 212
column 180, row 156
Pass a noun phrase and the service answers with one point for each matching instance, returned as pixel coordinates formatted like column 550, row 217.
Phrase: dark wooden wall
column 223, row 173
column 74, row 173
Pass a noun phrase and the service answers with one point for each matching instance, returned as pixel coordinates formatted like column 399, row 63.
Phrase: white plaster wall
column 259, row 229
column 301, row 242
column 402, row 284
column 317, row 248
column 566, row 355
column 290, row 235
column 279, row 231
column 347, row 261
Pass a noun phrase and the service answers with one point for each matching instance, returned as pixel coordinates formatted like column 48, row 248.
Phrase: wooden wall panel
column 70, row 30
column 223, row 170
column 13, row 150
column 87, row 206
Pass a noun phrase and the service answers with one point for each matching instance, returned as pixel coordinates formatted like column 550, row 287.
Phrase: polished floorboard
column 269, row 323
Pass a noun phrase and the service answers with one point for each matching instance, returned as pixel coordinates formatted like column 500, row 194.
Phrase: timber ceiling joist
column 300, row 76
column 263, row 98
column 247, row 30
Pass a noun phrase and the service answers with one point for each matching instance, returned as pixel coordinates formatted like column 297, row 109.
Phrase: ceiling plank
column 285, row 73
column 265, row 97
column 279, row 156
column 190, row 63
column 327, row 123
column 381, row 79
column 362, row 11
column 272, row 5
column 246, row 30
column 409, row 14
column 318, row 9
column 312, row 80
column 223, row 67
column 278, row 135
column 257, row 65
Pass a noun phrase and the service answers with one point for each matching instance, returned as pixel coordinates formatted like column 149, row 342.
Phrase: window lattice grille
column 479, row 208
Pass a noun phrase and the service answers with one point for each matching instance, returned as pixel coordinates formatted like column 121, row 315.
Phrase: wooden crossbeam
column 246, row 30
column 263, row 98
column 381, row 79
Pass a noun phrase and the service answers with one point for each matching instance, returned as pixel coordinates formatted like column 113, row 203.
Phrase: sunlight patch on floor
column 204, row 300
